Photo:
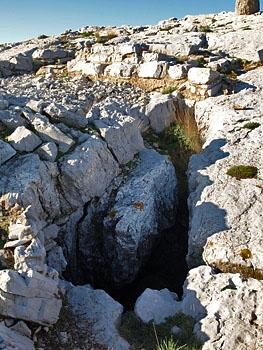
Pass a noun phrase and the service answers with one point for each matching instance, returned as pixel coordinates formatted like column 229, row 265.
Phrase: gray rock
column 28, row 181
column 24, row 140
column 247, row 7
column 103, row 314
column 61, row 114
column 87, row 172
column 30, row 297
column 157, row 305
column 119, row 70
column 6, row 152
column 121, row 134
column 144, row 206
column 22, row 328
column 49, row 132
column 47, row 151
column 178, row 71
column 22, row 63
column 160, row 111
column 11, row 119
column 12, row 339
column 228, row 308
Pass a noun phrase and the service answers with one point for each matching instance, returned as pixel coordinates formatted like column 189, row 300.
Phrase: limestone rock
column 155, row 70
column 160, row 111
column 30, row 297
column 228, row 307
column 28, row 181
column 6, row 152
column 103, row 313
column 119, row 70
column 48, row 151
column 121, row 134
column 144, row 206
column 247, row 7
column 11, row 119
column 88, row 69
column 178, row 71
column 24, row 140
column 157, row 305
column 61, row 114
column 10, row 339
column 87, row 171
column 49, row 132
column 202, row 76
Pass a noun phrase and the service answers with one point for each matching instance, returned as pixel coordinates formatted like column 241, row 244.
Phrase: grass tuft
column 243, row 172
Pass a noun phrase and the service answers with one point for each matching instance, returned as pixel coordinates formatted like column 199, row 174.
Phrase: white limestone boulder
column 160, row 111
column 24, row 140
column 121, row 134
column 28, row 181
column 221, row 206
column 227, row 307
column 86, row 68
column 178, row 71
column 87, row 171
column 99, row 310
column 156, row 70
column 119, row 70
column 29, row 296
column 155, row 305
column 202, row 76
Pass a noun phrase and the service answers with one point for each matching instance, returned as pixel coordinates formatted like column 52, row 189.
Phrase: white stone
column 119, row 70
column 24, row 140
column 178, row 71
column 155, row 305
column 155, row 70
column 14, row 340
column 201, row 76
column 86, row 68
column 48, row 151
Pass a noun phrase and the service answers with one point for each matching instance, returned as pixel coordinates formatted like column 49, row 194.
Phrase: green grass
column 87, row 34
column 169, row 90
column 205, row 29
column 251, row 125
column 143, row 335
column 243, row 172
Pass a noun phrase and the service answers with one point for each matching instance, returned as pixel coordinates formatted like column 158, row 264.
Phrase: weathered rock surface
column 247, row 7
column 6, row 152
column 97, row 308
column 10, row 339
column 221, row 205
column 226, row 306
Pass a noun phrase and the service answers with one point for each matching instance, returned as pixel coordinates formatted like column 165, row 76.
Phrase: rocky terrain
column 85, row 194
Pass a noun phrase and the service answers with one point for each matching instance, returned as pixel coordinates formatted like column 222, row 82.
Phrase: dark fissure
column 166, row 266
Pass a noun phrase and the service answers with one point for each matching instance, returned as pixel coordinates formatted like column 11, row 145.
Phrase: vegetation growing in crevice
column 251, row 125
column 143, row 335
column 243, row 172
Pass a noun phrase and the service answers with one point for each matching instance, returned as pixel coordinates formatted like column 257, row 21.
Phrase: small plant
column 243, row 172
column 169, row 90
column 201, row 61
column 170, row 345
column 42, row 36
column 205, row 29
column 251, row 125
column 87, row 34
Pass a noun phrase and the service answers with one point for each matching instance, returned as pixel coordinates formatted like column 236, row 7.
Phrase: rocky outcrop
column 220, row 205
column 226, row 307
column 247, row 7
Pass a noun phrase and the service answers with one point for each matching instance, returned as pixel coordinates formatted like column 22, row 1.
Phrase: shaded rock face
column 116, row 234
column 247, row 7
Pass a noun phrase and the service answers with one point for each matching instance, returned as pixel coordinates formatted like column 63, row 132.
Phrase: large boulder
column 247, row 7
column 29, row 296
column 27, row 180
column 87, row 172
column 98, row 309
column 120, row 244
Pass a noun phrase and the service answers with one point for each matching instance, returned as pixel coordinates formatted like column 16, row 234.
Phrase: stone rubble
column 75, row 172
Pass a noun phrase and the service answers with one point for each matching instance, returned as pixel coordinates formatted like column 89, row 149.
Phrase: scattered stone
column 24, row 140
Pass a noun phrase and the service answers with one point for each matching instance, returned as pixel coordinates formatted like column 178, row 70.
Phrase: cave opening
column 166, row 266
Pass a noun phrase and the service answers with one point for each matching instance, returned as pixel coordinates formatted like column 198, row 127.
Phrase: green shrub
column 251, row 125
column 205, row 29
column 243, row 172
column 87, row 34
column 169, row 90
column 42, row 36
